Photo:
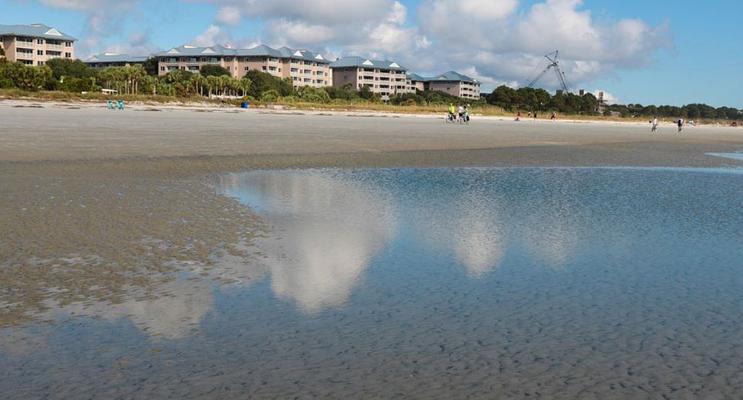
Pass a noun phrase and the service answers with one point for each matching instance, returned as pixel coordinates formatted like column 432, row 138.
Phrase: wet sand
column 102, row 206
column 129, row 191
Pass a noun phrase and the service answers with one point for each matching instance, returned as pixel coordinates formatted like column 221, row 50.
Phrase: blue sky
column 661, row 52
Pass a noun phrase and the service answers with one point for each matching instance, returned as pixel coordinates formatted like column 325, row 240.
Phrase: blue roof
column 35, row 30
column 360, row 62
column 114, row 58
column 417, row 78
column 450, row 76
column 258, row 51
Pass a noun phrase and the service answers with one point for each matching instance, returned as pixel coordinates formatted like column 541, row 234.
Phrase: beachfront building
column 107, row 60
column 386, row 78
column 302, row 67
column 451, row 82
column 35, row 44
column 416, row 82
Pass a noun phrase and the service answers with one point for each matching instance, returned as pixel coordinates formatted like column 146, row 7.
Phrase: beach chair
column 120, row 105
column 110, row 104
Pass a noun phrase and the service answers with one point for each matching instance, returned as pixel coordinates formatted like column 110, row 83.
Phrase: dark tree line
column 529, row 99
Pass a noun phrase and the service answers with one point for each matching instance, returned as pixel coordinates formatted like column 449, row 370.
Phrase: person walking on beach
column 554, row 116
column 655, row 125
column 680, row 123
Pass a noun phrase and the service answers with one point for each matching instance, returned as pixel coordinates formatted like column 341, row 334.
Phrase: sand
column 98, row 206
column 131, row 192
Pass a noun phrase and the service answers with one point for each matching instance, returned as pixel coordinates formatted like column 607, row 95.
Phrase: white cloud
column 105, row 18
column 398, row 15
column 229, row 15
column 138, row 43
column 500, row 40
column 506, row 44
column 213, row 35
column 333, row 12
column 299, row 33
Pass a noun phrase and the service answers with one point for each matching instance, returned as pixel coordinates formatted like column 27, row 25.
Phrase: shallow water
column 439, row 283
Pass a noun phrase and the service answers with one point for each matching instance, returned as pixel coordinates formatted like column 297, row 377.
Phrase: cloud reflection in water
column 324, row 232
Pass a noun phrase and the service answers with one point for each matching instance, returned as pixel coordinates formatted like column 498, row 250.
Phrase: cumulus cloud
column 211, row 36
column 229, row 15
column 506, row 44
column 496, row 41
column 104, row 18
column 138, row 43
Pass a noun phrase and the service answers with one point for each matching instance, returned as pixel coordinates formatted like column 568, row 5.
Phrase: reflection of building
column 302, row 67
column 451, row 82
column 35, row 44
column 107, row 60
column 386, row 78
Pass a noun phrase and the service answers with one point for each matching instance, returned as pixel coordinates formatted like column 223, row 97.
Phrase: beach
column 87, row 186
column 102, row 208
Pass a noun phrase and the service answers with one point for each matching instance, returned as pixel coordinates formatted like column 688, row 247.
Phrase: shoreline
column 98, row 203
column 288, row 109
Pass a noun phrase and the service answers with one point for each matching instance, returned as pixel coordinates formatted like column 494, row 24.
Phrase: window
column 68, row 55
column 40, row 52
column 247, row 68
column 40, row 41
column 162, row 68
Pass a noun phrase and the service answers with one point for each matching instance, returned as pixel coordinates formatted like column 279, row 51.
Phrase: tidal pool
column 554, row 283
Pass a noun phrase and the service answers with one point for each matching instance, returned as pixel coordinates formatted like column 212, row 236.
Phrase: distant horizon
column 636, row 52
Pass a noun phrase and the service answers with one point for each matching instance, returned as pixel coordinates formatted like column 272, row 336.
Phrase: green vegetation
column 67, row 79
column 214, row 70
column 539, row 100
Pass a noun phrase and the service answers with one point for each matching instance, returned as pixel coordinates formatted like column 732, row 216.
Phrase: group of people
column 680, row 123
column 535, row 115
column 459, row 114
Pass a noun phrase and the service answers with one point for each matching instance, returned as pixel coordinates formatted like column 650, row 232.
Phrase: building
column 417, row 82
column 386, row 78
column 451, row 82
column 107, row 60
column 303, row 67
column 35, row 44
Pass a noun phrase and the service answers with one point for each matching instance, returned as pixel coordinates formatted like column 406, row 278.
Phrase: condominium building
column 302, row 67
column 107, row 60
column 451, row 82
column 386, row 78
column 35, row 44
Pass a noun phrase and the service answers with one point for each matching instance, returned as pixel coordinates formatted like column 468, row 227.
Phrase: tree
column 151, row 66
column 313, row 95
column 15, row 74
column 345, row 92
column 503, row 96
column 214, row 70
column 263, row 82
column 66, row 68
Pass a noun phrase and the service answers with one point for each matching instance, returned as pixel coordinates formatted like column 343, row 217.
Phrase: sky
column 637, row 51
